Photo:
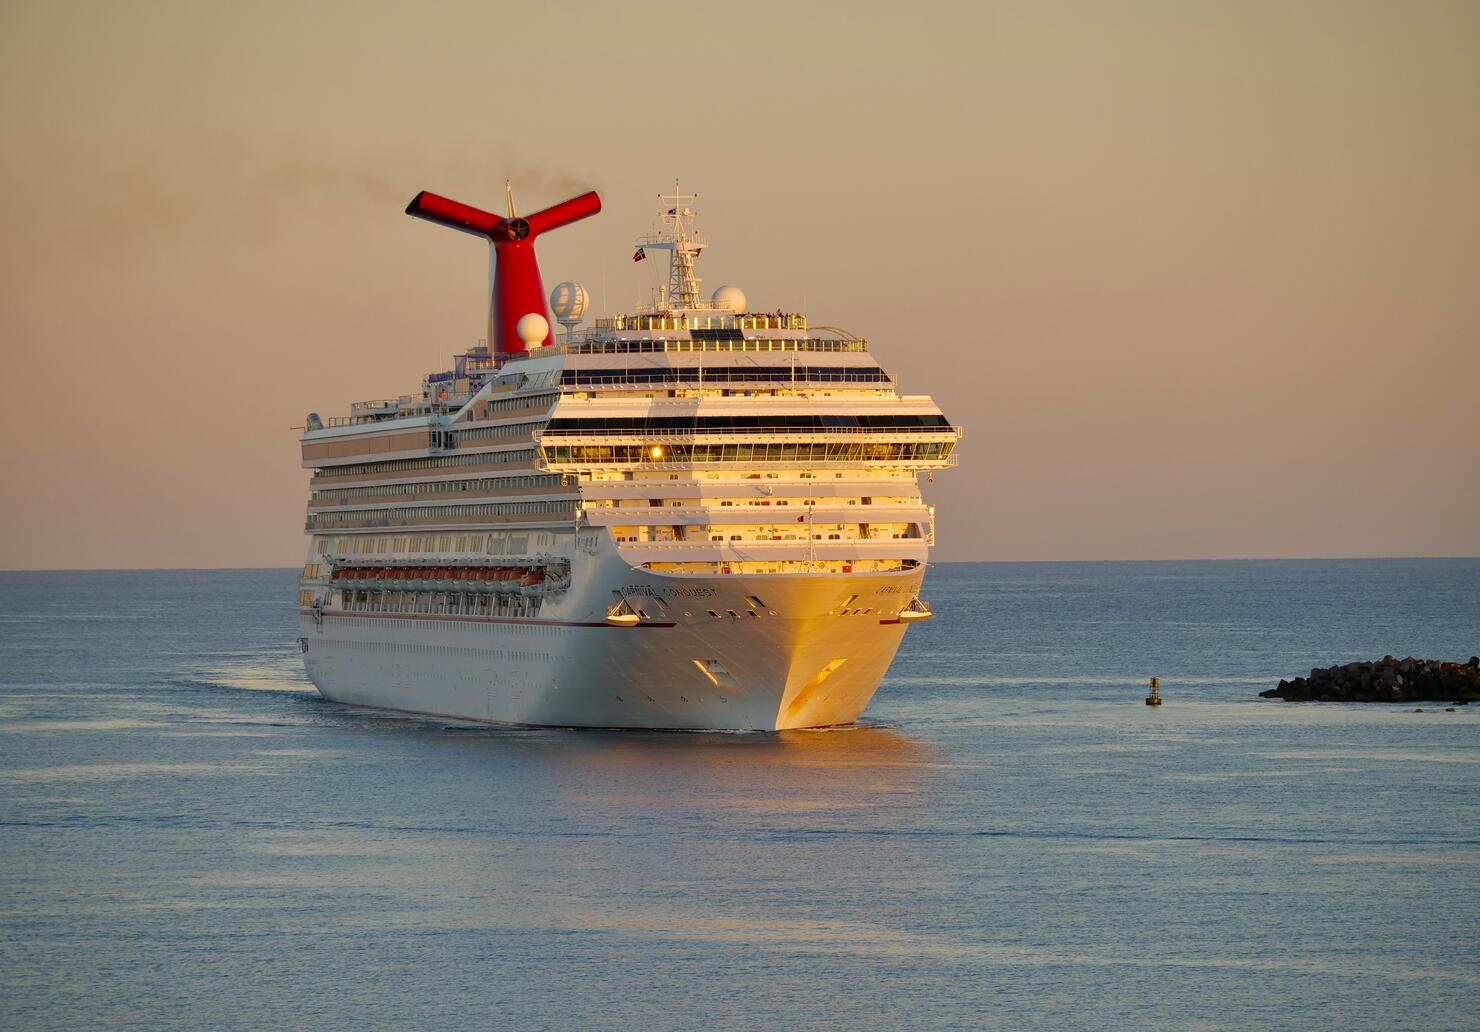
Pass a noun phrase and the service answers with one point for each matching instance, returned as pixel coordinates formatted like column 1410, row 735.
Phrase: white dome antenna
column 732, row 298
column 533, row 329
column 569, row 302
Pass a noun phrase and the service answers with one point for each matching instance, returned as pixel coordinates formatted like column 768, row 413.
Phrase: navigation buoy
column 1154, row 697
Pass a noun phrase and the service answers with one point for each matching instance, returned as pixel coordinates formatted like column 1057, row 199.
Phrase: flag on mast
column 639, row 255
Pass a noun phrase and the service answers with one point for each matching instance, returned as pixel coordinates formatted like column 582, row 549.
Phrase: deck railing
column 768, row 432
column 716, row 381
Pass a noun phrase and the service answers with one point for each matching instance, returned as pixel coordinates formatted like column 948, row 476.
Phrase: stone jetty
column 1386, row 680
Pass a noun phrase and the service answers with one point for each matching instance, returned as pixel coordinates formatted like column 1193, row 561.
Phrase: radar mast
column 683, row 244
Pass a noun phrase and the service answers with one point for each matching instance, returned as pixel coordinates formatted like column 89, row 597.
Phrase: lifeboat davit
column 622, row 615
column 916, row 612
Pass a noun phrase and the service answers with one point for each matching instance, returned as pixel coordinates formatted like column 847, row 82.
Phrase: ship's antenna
column 509, row 189
column 683, row 245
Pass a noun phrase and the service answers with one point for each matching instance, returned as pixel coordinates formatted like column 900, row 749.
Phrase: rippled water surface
column 190, row 838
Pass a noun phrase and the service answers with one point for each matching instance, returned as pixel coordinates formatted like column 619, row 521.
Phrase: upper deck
column 686, row 380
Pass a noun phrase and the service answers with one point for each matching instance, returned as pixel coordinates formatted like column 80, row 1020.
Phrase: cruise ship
column 698, row 515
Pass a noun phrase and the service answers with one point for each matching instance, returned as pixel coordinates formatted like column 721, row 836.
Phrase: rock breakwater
column 1386, row 680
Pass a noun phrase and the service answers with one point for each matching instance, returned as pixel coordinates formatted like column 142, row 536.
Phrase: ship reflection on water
column 754, row 841
column 781, row 775
column 645, row 774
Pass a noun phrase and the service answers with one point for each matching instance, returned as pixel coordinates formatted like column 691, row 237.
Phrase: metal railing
column 655, row 345
column 577, row 464
column 746, row 514
column 380, row 417
column 771, row 545
column 694, row 379
column 798, row 431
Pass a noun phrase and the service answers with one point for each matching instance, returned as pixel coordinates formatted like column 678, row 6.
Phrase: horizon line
column 942, row 562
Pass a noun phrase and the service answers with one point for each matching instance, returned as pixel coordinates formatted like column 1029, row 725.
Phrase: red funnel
column 517, row 289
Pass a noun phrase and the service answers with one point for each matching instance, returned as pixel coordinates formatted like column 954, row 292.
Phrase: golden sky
column 1199, row 279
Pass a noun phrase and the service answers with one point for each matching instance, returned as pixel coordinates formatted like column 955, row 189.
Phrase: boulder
column 1385, row 680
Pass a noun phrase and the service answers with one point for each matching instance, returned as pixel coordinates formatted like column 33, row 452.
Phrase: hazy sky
column 1199, row 279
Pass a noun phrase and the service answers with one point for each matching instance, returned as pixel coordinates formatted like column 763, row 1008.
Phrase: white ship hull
column 801, row 661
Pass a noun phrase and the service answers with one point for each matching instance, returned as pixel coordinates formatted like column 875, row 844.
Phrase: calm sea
column 189, row 838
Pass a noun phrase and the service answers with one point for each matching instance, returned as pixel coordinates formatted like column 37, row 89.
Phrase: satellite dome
column 533, row 329
column 569, row 301
column 732, row 298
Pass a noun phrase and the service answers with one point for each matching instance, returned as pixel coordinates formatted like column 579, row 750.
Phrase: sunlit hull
column 802, row 661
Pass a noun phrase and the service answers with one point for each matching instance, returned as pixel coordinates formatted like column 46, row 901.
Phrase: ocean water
column 190, row 838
